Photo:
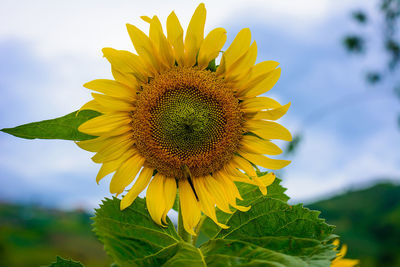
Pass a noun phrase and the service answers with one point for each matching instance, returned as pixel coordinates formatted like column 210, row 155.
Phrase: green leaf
column 65, row 127
column 248, row 193
column 271, row 233
column 60, row 262
column 212, row 66
column 179, row 254
column 131, row 237
column 221, row 252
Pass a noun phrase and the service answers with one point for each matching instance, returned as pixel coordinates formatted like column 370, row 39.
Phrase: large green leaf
column 131, row 237
column 222, row 252
column 179, row 254
column 60, row 262
column 65, row 127
column 248, row 193
column 271, row 233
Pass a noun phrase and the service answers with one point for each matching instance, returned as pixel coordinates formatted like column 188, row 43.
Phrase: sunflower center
column 187, row 117
column 187, row 121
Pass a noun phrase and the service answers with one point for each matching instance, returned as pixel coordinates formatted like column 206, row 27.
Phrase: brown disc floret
column 187, row 119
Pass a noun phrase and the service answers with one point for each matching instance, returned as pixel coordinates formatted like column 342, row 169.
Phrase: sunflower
column 340, row 261
column 173, row 120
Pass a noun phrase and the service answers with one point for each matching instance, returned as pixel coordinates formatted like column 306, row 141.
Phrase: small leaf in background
column 373, row 77
column 65, row 127
column 360, row 16
column 293, row 145
column 354, row 43
column 60, row 262
column 393, row 49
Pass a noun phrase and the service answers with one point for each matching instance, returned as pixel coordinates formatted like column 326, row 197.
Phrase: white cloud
column 326, row 164
column 84, row 27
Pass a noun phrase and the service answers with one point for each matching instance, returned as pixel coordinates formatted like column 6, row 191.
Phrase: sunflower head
column 187, row 117
column 169, row 122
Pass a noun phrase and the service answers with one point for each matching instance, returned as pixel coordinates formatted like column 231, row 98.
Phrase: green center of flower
column 187, row 121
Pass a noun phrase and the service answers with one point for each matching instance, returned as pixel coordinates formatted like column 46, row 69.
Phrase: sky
column 48, row 49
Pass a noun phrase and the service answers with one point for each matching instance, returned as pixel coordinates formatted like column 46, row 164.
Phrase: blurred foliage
column 360, row 16
column 387, row 19
column 293, row 145
column 33, row 236
column 373, row 77
column 368, row 221
column 354, row 43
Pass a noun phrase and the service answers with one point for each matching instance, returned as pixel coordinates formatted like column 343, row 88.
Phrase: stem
column 197, row 229
column 181, row 229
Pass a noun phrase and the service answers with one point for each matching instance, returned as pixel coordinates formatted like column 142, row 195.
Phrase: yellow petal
column 113, row 152
column 218, row 194
column 127, row 62
column 224, row 178
column 92, row 105
column 124, row 78
column 111, row 166
column 268, row 130
column 155, row 199
column 231, row 169
column 110, row 103
column 140, row 184
column 161, row 45
column 242, row 64
column 111, row 88
column 205, row 200
column 244, row 165
column 268, row 178
column 237, row 176
column 104, row 123
column 272, row 114
column 238, row 47
column 336, row 242
column 170, row 195
column 189, row 206
column 143, row 47
column 260, row 184
column 263, row 86
column 146, row 19
column 258, row 103
column 175, row 37
column 230, row 190
column 256, row 75
column 256, row 145
column 345, row 263
column 126, row 173
column 195, row 35
column 260, row 160
column 211, row 47
column 94, row 145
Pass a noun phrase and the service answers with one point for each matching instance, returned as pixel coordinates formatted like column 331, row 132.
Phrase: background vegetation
column 367, row 220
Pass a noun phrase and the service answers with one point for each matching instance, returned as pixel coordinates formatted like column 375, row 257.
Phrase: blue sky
column 48, row 50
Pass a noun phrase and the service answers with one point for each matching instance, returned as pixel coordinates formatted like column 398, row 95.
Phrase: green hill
column 368, row 221
column 33, row 236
